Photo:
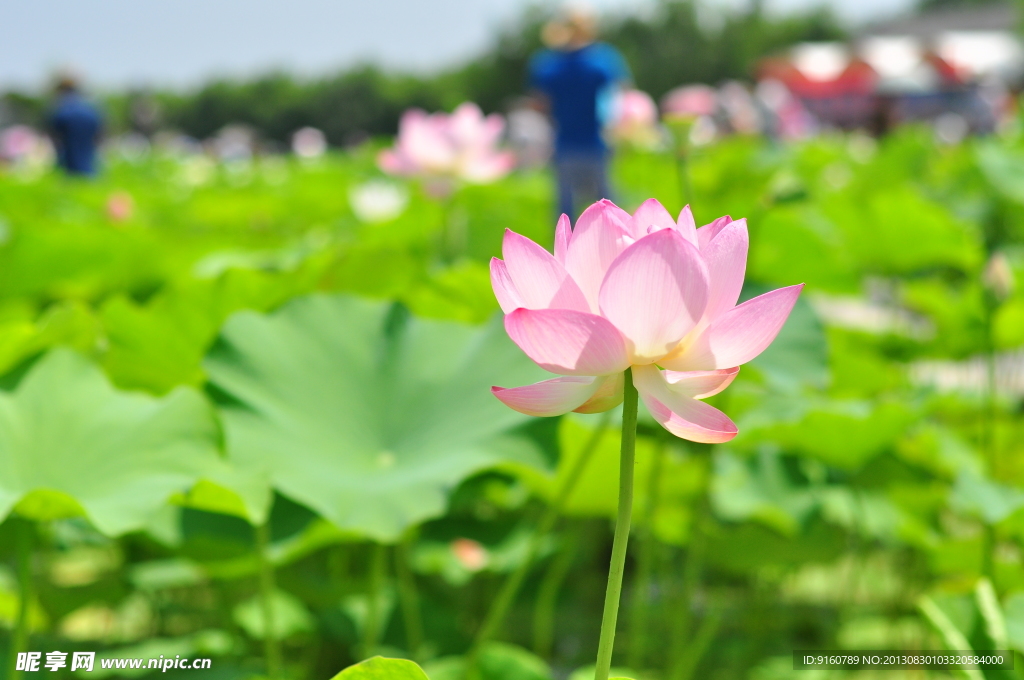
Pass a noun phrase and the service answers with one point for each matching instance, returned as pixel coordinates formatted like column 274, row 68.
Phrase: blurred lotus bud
column 470, row 554
column 378, row 201
column 998, row 276
column 687, row 113
column 635, row 119
column 120, row 206
column 308, row 142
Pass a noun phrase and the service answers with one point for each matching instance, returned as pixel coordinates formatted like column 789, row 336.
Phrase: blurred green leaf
column 363, row 414
column 161, row 345
column 288, row 613
column 1003, row 168
column 986, row 499
column 72, row 444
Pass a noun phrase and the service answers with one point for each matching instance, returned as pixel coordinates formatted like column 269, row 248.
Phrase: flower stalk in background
column 634, row 307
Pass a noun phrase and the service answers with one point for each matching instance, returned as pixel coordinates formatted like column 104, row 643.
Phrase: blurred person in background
column 76, row 126
column 577, row 78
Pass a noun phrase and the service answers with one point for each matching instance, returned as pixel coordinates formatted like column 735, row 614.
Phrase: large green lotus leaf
column 365, row 415
column 71, row 442
column 161, row 345
column 379, row 668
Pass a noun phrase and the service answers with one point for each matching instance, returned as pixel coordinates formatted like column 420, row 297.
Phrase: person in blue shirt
column 75, row 126
column 577, row 78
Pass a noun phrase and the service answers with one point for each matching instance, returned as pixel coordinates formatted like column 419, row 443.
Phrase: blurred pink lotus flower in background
column 690, row 100
column 461, row 145
column 691, row 110
column 17, row 142
column 639, row 291
column 636, row 119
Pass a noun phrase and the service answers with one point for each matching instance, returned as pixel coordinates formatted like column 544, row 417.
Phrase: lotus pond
column 245, row 415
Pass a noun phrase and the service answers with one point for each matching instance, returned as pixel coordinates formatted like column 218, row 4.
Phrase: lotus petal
column 726, row 258
column 563, row 232
column 541, row 281
column 607, row 396
column 737, row 336
column 651, row 216
column 550, row 397
column 699, row 384
column 568, row 342
column 600, row 235
column 709, row 231
column 504, row 289
column 683, row 416
column 654, row 293
column 686, row 226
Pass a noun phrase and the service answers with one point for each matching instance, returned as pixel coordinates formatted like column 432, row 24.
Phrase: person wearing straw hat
column 577, row 77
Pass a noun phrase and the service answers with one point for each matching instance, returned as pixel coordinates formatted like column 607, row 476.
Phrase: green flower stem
column 988, row 433
column 499, row 609
column 683, row 172
column 547, row 598
column 627, row 454
column 372, row 626
column 645, row 563
column 271, row 649
column 409, row 597
column 20, row 639
column 453, row 236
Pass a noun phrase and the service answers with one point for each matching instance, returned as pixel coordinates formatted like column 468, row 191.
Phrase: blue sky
column 118, row 43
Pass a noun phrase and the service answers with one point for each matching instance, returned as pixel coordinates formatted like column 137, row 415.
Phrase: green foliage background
column 242, row 399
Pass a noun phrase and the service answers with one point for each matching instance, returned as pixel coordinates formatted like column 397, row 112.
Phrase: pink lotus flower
column 462, row 145
column 636, row 118
column 644, row 292
column 690, row 100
